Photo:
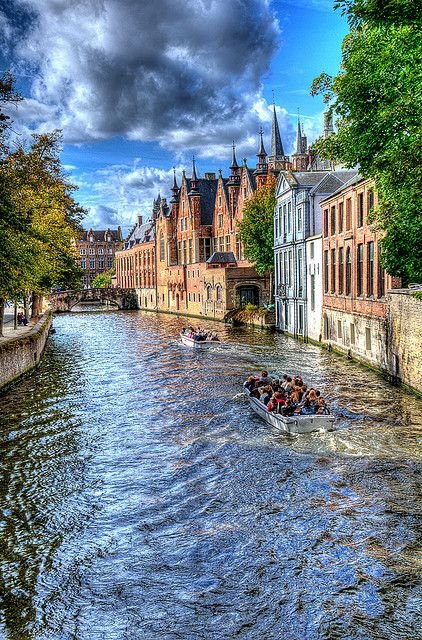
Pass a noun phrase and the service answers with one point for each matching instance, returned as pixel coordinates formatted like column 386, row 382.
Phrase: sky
column 140, row 86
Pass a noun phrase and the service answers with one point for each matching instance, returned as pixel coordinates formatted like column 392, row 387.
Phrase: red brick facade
column 354, row 284
column 96, row 251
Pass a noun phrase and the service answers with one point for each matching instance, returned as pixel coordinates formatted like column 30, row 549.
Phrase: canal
column 140, row 498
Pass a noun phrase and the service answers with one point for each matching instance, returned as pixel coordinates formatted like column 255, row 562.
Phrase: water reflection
column 141, row 498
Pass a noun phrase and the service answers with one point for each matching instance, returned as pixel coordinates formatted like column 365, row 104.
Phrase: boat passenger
column 289, row 408
column 266, row 394
column 277, row 402
column 255, row 393
column 249, row 384
column 309, row 406
column 287, row 386
column 265, row 378
column 321, row 407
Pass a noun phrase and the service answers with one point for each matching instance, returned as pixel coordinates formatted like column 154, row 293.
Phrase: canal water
column 140, row 498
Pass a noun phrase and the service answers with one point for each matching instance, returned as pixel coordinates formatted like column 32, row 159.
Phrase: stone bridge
column 65, row 300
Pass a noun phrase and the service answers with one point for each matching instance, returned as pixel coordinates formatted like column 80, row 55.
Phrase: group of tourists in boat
column 199, row 335
column 287, row 396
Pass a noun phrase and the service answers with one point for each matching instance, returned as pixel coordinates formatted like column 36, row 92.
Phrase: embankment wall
column 21, row 354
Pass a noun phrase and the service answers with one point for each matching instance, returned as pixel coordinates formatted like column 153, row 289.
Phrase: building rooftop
column 222, row 257
column 100, row 235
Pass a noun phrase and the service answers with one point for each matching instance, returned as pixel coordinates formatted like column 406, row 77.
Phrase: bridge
column 65, row 300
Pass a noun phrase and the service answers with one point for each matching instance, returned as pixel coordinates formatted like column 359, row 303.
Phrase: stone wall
column 405, row 338
column 21, row 354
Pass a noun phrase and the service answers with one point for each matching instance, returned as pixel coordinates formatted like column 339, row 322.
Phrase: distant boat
column 292, row 424
column 197, row 344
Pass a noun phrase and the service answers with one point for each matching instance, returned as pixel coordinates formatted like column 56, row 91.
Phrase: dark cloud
column 155, row 70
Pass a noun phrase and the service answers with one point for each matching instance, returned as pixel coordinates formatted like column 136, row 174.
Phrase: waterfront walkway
column 9, row 332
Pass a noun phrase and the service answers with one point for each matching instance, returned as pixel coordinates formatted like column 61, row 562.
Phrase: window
column 326, row 271
column 83, row 252
column 101, row 264
column 100, row 251
column 109, row 262
column 209, row 292
column 220, row 220
column 219, row 201
column 333, row 220
column 161, row 247
column 360, row 209
column 370, row 200
column 312, row 293
column 284, row 219
column 219, row 291
column 381, row 281
column 348, row 213
column 299, row 271
column 199, row 297
column 185, row 252
column 83, row 264
column 227, row 243
column 352, row 333
column 290, row 268
column 110, row 251
column 340, row 270
column 300, row 318
column 289, row 217
column 360, row 270
column 348, row 272
column 92, row 264
column 312, row 250
column 91, row 251
column 204, row 250
column 325, row 223
column 333, row 270
column 299, row 219
column 368, row 344
column 340, row 217
column 370, row 283
column 339, row 329
column 190, row 253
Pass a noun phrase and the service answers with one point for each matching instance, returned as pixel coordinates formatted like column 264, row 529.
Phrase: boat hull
column 195, row 344
column 294, row 424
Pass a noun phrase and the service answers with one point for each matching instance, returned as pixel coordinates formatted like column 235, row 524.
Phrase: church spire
column 277, row 150
column 234, row 164
column 298, row 135
column 234, row 178
column 194, row 180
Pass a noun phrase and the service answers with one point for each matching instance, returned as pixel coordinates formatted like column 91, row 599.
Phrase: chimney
column 139, row 221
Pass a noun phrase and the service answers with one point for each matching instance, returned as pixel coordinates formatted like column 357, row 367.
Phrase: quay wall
column 21, row 354
column 405, row 338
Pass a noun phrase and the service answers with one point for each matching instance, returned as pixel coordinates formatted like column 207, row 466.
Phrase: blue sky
column 138, row 87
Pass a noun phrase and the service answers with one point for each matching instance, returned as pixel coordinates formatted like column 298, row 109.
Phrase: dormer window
column 91, row 238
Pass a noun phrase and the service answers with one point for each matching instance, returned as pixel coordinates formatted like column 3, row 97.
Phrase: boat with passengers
column 288, row 404
column 198, row 338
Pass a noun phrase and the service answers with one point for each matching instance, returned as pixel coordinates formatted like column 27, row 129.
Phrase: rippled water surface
column 141, row 498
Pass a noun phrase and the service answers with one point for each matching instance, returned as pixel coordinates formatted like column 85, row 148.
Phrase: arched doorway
column 248, row 294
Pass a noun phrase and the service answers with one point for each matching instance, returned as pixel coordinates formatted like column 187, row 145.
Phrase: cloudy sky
column 138, row 86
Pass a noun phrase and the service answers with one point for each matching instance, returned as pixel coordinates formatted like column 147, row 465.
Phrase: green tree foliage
column 257, row 229
column 377, row 98
column 102, row 280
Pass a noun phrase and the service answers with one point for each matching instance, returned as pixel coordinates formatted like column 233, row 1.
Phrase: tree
column 257, row 230
column 102, row 280
column 377, row 98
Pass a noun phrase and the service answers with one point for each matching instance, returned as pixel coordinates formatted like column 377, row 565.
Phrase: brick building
column 135, row 263
column 96, row 251
column 354, row 284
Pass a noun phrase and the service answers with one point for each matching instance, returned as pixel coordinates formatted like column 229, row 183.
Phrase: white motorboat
column 197, row 344
column 292, row 424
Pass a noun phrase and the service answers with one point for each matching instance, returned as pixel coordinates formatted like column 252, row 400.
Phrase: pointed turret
column 261, row 171
column 194, row 180
column 234, row 179
column 300, row 156
column 175, row 188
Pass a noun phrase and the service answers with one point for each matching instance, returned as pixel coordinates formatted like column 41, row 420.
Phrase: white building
column 297, row 218
column 314, row 296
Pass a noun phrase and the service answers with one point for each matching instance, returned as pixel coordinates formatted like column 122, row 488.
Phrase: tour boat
column 197, row 344
column 292, row 424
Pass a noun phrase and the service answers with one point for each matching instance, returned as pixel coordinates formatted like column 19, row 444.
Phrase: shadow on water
column 141, row 498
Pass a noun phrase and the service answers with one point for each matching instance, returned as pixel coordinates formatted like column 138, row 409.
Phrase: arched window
column 348, row 272
column 162, row 253
column 219, row 292
column 209, row 292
